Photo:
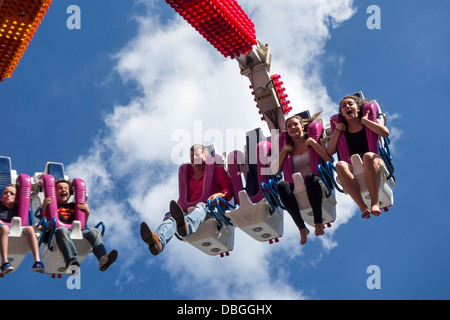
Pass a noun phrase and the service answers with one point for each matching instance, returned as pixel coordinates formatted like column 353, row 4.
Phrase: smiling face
column 9, row 197
column 349, row 109
column 294, row 127
column 62, row 192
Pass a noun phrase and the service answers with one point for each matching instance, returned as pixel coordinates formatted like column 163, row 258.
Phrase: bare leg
column 303, row 235
column 371, row 163
column 32, row 242
column 4, row 231
column 351, row 186
column 319, row 229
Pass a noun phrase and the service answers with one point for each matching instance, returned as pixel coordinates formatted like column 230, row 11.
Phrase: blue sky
column 111, row 101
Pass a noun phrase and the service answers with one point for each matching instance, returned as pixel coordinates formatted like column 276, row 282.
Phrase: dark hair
column 62, row 181
column 360, row 102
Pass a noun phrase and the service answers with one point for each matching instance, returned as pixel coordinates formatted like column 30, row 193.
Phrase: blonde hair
column 305, row 122
column 12, row 186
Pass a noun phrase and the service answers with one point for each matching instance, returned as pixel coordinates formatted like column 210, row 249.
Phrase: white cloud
column 182, row 82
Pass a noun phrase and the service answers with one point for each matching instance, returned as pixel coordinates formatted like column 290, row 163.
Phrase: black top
column 7, row 214
column 357, row 142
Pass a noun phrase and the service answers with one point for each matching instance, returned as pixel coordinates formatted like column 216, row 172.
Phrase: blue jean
column 68, row 249
column 168, row 227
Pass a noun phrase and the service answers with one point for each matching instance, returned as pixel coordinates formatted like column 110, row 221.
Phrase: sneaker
column 177, row 213
column 38, row 267
column 107, row 260
column 7, row 268
column 150, row 238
